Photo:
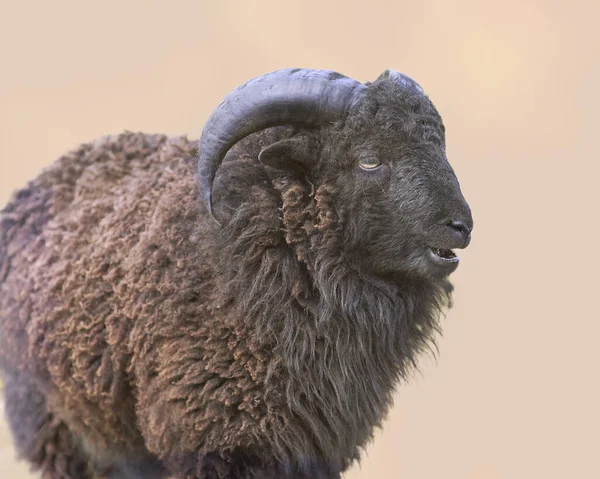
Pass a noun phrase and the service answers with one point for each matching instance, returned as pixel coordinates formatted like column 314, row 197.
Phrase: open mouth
column 444, row 255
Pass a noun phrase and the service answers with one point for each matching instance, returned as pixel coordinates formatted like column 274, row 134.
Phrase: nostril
column 462, row 227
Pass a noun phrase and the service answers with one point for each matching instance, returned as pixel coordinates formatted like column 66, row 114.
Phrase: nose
column 462, row 228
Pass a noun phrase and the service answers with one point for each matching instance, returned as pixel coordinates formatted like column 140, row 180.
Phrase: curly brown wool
column 140, row 339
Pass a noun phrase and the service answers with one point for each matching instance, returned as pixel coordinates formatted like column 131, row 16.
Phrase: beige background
column 514, row 393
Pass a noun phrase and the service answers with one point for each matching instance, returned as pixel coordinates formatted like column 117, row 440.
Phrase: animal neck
column 342, row 338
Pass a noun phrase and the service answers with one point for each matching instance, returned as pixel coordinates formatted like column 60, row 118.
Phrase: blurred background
column 514, row 392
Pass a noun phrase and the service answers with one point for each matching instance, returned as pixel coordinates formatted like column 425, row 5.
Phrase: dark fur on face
column 266, row 348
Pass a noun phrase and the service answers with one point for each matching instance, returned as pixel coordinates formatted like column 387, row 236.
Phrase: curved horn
column 283, row 97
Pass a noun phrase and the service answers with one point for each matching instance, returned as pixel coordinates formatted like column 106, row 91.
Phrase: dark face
column 400, row 200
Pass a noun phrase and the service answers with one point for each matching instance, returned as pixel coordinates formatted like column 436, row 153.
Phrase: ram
column 244, row 314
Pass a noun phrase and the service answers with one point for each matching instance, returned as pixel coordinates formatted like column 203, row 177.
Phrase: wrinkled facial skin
column 401, row 209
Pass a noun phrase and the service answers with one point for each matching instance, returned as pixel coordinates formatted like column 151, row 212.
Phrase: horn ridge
column 292, row 96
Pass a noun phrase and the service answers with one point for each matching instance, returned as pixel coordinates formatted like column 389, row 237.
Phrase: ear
column 296, row 154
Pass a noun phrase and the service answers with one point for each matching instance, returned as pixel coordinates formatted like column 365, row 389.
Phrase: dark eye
column 369, row 164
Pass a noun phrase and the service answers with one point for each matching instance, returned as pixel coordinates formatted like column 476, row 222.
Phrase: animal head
column 381, row 148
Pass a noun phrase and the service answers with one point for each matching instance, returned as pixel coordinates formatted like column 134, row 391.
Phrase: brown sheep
column 140, row 338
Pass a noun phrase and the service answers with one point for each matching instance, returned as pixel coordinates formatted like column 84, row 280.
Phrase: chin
column 421, row 264
column 430, row 264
